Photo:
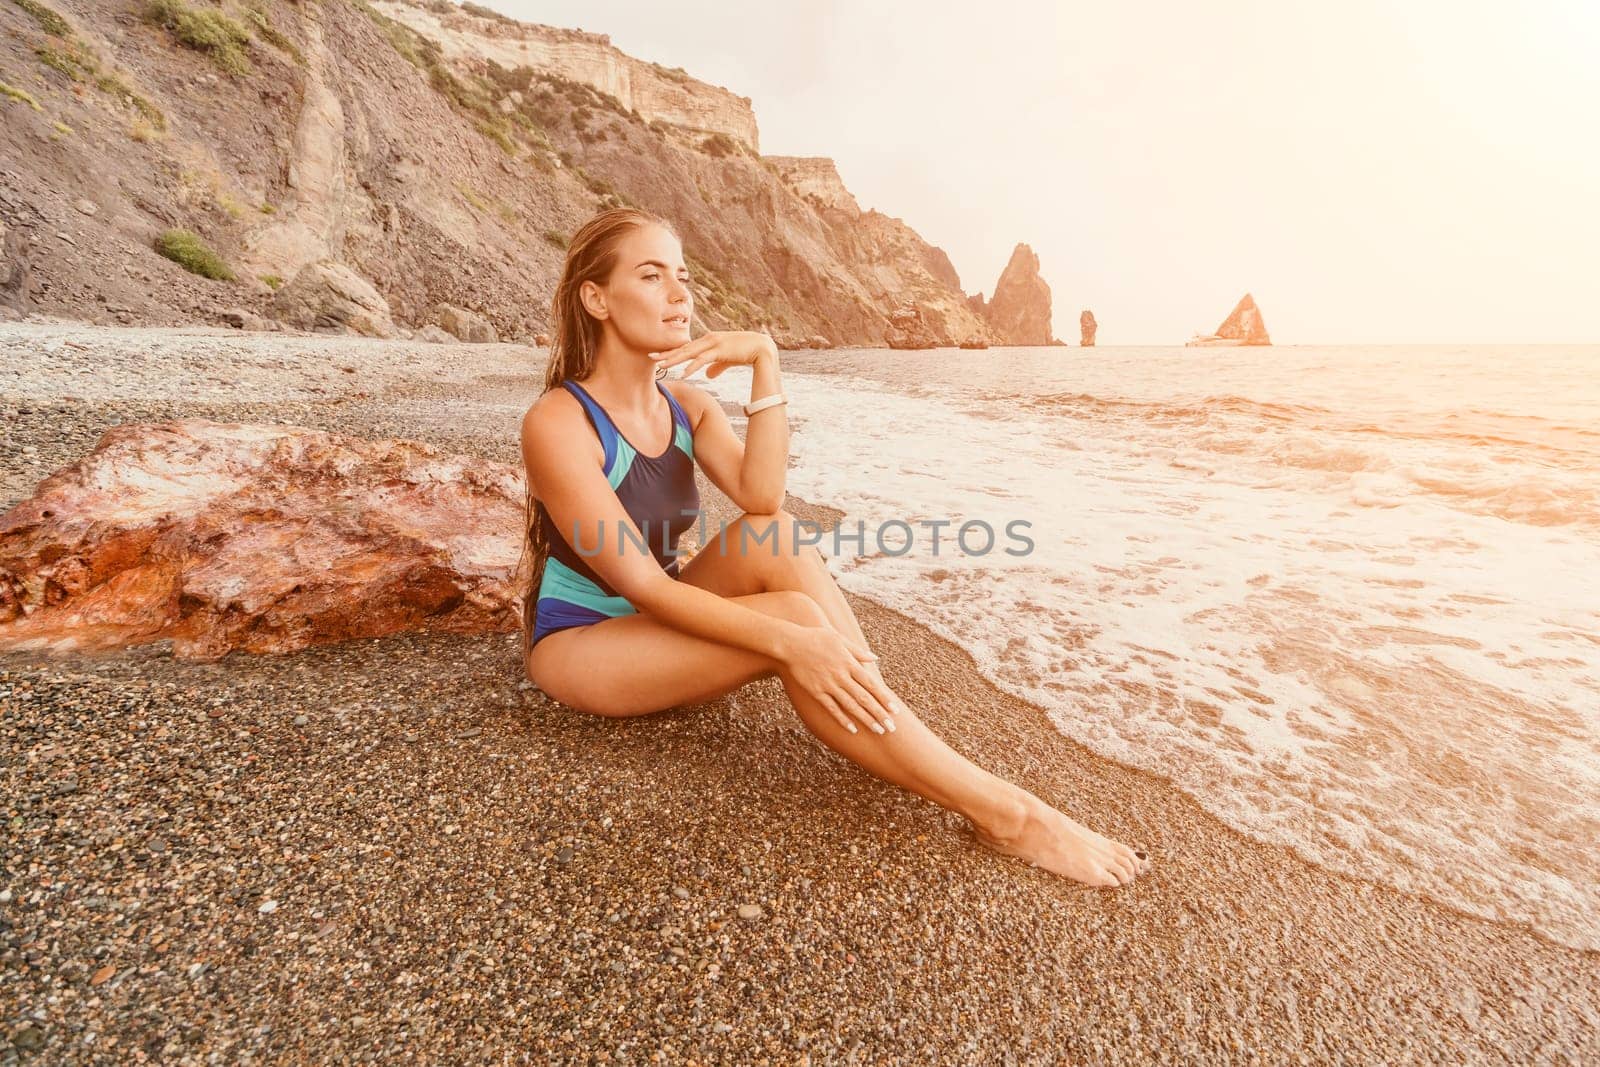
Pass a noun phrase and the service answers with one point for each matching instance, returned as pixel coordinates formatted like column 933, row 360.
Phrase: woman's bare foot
column 1046, row 838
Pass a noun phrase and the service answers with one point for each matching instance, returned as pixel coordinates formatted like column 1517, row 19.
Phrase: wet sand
column 398, row 848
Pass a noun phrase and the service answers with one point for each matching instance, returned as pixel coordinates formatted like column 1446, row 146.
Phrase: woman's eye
column 652, row 276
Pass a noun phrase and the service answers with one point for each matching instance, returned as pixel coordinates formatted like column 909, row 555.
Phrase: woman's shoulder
column 554, row 416
column 555, row 404
column 555, row 431
column 690, row 397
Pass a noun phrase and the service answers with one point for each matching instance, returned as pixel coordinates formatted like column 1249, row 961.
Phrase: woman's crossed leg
column 635, row 664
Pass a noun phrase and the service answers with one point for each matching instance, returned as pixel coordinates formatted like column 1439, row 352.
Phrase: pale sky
column 1383, row 171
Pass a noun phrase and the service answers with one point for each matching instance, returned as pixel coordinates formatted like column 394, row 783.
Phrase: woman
column 618, row 629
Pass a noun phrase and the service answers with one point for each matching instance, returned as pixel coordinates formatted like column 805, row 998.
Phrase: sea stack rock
column 1244, row 326
column 908, row 329
column 1020, row 307
column 1086, row 328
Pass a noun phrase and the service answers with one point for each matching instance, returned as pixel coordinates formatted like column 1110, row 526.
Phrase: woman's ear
column 594, row 299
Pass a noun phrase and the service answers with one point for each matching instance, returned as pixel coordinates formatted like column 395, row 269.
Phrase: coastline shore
column 399, row 847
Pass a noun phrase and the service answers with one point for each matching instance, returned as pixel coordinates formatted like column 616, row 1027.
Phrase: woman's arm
column 766, row 447
column 753, row 471
column 734, row 466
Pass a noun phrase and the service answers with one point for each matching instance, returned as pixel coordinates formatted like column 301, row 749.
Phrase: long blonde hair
column 574, row 341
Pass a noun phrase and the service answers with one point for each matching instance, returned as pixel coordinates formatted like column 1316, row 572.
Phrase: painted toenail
column 1141, row 855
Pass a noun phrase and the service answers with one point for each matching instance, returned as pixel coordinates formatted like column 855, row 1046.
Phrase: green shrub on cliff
column 11, row 92
column 49, row 21
column 505, row 79
column 416, row 49
column 114, row 85
column 719, row 145
column 677, row 74
column 69, row 62
column 486, row 13
column 189, row 252
column 205, row 30
column 272, row 35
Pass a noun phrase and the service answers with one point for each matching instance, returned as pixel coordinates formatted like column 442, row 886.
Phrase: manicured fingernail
column 890, row 724
column 877, row 728
column 852, row 727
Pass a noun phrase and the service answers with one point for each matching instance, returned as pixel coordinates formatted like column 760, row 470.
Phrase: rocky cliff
column 343, row 166
column 657, row 93
column 1020, row 308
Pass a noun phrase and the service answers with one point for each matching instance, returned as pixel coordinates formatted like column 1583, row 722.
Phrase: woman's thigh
column 636, row 664
column 723, row 567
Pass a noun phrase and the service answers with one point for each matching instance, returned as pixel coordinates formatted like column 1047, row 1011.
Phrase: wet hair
column 574, row 340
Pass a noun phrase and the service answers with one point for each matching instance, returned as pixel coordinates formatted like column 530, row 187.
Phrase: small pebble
column 749, row 911
column 268, row 907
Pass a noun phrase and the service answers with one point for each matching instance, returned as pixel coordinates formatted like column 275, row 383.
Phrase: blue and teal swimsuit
column 655, row 491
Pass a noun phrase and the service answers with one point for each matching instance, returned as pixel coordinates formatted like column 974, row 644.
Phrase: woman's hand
column 835, row 672
column 719, row 350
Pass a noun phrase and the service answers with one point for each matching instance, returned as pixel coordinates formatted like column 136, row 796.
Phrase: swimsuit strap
column 610, row 434
column 678, row 413
column 598, row 419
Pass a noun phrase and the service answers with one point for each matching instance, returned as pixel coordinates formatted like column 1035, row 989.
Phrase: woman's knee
column 796, row 606
column 772, row 538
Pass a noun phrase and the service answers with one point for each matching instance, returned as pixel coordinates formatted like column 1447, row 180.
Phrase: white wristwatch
column 764, row 403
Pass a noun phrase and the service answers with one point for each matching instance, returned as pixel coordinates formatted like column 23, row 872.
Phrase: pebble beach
column 401, row 851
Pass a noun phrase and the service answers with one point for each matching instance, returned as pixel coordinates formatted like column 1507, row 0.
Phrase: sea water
column 1347, row 598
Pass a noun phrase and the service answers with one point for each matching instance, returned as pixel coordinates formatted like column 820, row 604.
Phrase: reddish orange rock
column 261, row 538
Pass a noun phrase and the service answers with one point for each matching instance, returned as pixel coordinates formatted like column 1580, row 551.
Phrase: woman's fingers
column 857, row 710
column 881, row 695
column 687, row 350
column 708, row 355
column 832, row 707
column 870, row 678
column 878, row 718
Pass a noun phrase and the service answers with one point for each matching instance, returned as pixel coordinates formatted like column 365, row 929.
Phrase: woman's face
column 647, row 299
